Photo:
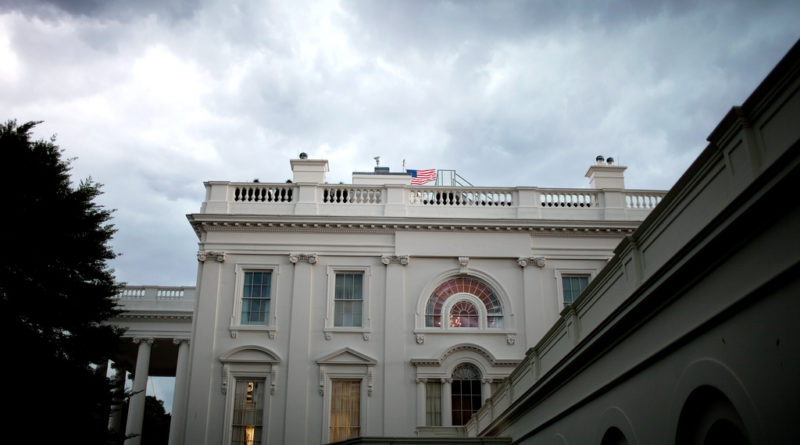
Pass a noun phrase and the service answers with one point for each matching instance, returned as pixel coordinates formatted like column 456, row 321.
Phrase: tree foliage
column 155, row 424
column 55, row 292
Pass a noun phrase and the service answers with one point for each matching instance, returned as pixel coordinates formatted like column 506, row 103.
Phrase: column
column 133, row 427
column 176, row 423
column 115, row 416
column 447, row 415
column 421, row 403
column 486, row 390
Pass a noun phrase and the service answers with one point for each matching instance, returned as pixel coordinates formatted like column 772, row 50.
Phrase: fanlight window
column 463, row 313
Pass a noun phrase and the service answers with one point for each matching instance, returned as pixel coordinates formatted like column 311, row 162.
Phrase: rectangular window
column 433, row 404
column 573, row 285
column 345, row 409
column 248, row 412
column 348, row 299
column 256, row 298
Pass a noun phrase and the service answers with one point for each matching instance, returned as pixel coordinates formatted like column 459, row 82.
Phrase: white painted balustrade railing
column 156, row 297
column 426, row 201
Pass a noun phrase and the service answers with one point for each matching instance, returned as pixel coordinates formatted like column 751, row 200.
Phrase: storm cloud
column 154, row 97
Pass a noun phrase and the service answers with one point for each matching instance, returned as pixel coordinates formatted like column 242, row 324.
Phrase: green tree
column 155, row 425
column 55, row 292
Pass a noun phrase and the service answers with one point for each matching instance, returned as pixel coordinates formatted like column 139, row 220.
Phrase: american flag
column 419, row 177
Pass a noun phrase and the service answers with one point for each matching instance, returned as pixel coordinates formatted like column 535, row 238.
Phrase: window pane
column 466, row 393
column 433, row 404
column 255, row 298
column 464, row 315
column 248, row 412
column 348, row 300
column 345, row 420
column 573, row 286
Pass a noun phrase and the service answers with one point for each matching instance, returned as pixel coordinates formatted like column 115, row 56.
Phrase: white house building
column 527, row 315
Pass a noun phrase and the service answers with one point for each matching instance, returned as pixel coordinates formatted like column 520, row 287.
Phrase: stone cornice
column 227, row 223
column 155, row 315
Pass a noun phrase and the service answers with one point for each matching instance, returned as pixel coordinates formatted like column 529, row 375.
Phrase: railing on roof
column 164, row 297
column 427, row 201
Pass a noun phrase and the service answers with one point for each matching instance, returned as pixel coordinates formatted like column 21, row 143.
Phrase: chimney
column 605, row 175
column 308, row 170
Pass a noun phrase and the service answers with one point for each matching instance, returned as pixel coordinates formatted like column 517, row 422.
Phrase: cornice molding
column 539, row 229
column 156, row 316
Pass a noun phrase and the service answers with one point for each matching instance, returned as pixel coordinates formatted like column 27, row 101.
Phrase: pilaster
column 296, row 415
column 394, row 344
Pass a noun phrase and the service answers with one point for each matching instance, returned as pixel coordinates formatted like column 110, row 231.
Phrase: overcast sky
column 154, row 97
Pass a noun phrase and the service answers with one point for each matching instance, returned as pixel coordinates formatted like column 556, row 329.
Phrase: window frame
column 480, row 380
column 560, row 274
column 236, row 324
column 346, row 364
column 508, row 328
column 330, row 327
column 262, row 402
column 454, row 299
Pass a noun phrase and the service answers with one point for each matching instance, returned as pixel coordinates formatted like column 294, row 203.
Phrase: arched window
column 465, row 393
column 464, row 315
column 461, row 294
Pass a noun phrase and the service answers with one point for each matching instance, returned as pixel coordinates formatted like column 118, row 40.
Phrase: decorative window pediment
column 354, row 373
column 250, row 354
column 347, row 356
column 252, row 361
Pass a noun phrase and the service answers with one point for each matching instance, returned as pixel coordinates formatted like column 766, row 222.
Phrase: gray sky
column 153, row 97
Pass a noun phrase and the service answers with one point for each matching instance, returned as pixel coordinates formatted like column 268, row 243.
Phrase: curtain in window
column 255, row 297
column 433, row 404
column 348, row 299
column 248, row 412
column 345, row 409
column 573, row 286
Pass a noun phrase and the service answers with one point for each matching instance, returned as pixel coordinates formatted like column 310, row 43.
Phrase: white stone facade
column 690, row 316
column 404, row 242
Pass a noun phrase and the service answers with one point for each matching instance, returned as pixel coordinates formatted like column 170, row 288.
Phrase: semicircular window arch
column 453, row 303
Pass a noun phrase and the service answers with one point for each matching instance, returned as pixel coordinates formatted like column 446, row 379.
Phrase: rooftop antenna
column 377, row 160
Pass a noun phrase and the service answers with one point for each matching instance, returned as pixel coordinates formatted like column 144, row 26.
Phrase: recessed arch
column 614, row 427
column 711, row 373
column 614, row 436
column 708, row 417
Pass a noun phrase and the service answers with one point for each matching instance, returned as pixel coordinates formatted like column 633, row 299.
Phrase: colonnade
column 133, row 425
column 446, row 398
